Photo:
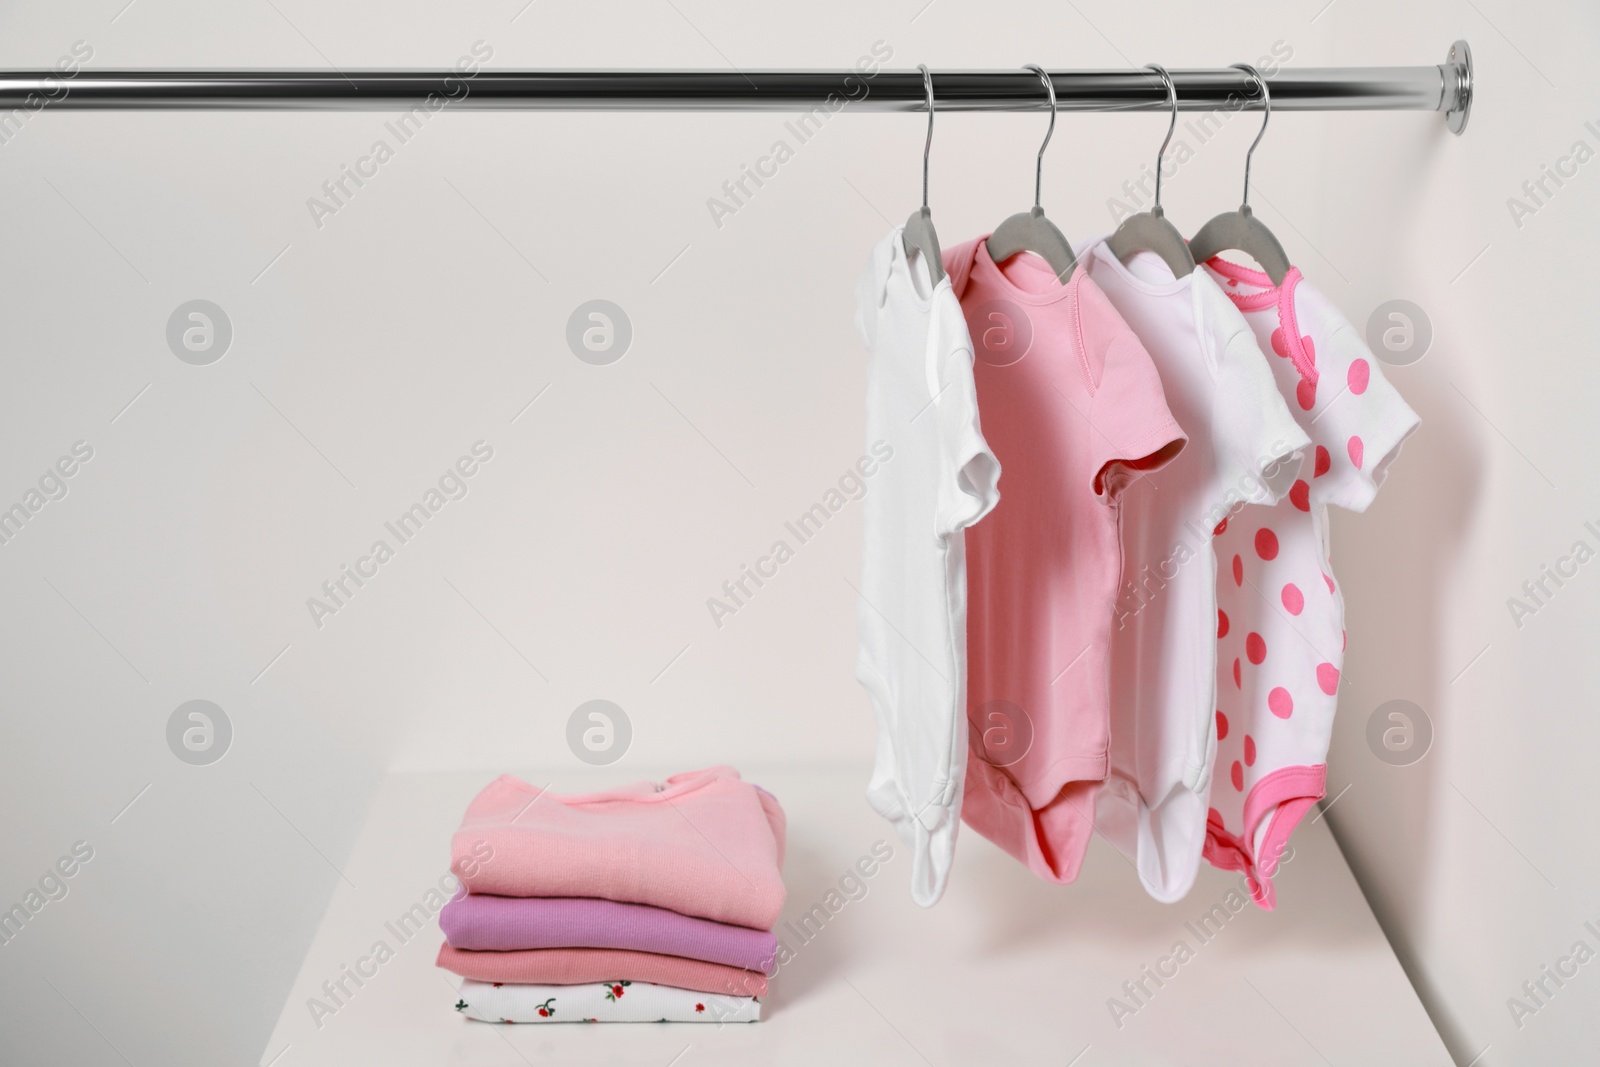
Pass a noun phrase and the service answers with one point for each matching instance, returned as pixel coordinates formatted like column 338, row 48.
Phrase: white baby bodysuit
column 1280, row 619
column 1243, row 446
column 929, row 475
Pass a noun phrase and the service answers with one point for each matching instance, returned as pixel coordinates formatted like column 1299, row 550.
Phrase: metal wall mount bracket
column 1458, row 65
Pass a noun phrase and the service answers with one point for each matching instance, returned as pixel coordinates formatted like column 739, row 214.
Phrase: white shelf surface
column 1005, row 969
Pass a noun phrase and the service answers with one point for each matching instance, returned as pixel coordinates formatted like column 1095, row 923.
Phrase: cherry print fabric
column 1072, row 407
column 600, row 1002
column 1280, row 615
column 1243, row 446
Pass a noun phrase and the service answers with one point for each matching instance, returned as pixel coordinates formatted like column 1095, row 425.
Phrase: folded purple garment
column 508, row 924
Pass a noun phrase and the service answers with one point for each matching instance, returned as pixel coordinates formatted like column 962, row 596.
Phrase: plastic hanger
column 919, row 234
column 1241, row 230
column 1150, row 231
column 1030, row 231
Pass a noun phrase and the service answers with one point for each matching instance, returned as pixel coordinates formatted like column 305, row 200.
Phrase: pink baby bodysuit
column 575, row 966
column 1280, row 615
column 1071, row 406
column 703, row 843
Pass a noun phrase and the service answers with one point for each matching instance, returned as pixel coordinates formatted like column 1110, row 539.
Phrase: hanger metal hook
column 927, row 146
column 1038, row 169
column 1161, row 153
column 1266, row 106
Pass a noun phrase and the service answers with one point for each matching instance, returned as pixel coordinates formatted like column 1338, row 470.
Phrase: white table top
column 1005, row 969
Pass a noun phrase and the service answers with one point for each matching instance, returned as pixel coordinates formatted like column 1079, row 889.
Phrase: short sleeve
column 871, row 289
column 1130, row 426
column 1259, row 439
column 969, row 485
column 1359, row 426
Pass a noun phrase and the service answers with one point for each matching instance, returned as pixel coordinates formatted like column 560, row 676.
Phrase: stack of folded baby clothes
column 653, row 902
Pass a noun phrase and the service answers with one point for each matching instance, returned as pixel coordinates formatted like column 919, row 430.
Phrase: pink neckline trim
column 1282, row 296
column 1241, row 273
column 983, row 262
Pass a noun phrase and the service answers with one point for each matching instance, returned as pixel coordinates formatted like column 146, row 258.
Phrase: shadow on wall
column 1395, row 565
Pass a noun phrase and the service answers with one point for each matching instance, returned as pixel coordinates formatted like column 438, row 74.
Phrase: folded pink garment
column 704, row 843
column 503, row 924
column 574, row 966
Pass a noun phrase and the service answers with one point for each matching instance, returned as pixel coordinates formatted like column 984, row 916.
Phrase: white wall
column 1481, row 859
column 373, row 351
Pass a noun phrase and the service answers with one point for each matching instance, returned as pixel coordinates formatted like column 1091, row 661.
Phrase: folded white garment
column 593, row 1002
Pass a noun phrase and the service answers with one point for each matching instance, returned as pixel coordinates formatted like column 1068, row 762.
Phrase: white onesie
column 1243, row 446
column 931, row 475
column 1280, row 618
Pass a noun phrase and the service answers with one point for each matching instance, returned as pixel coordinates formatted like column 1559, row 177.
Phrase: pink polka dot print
column 1221, row 526
column 1349, row 409
column 1360, row 374
column 1306, row 394
column 1300, row 495
column 1328, row 678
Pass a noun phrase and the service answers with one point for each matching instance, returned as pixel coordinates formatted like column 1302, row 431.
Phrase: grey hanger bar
column 1443, row 87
